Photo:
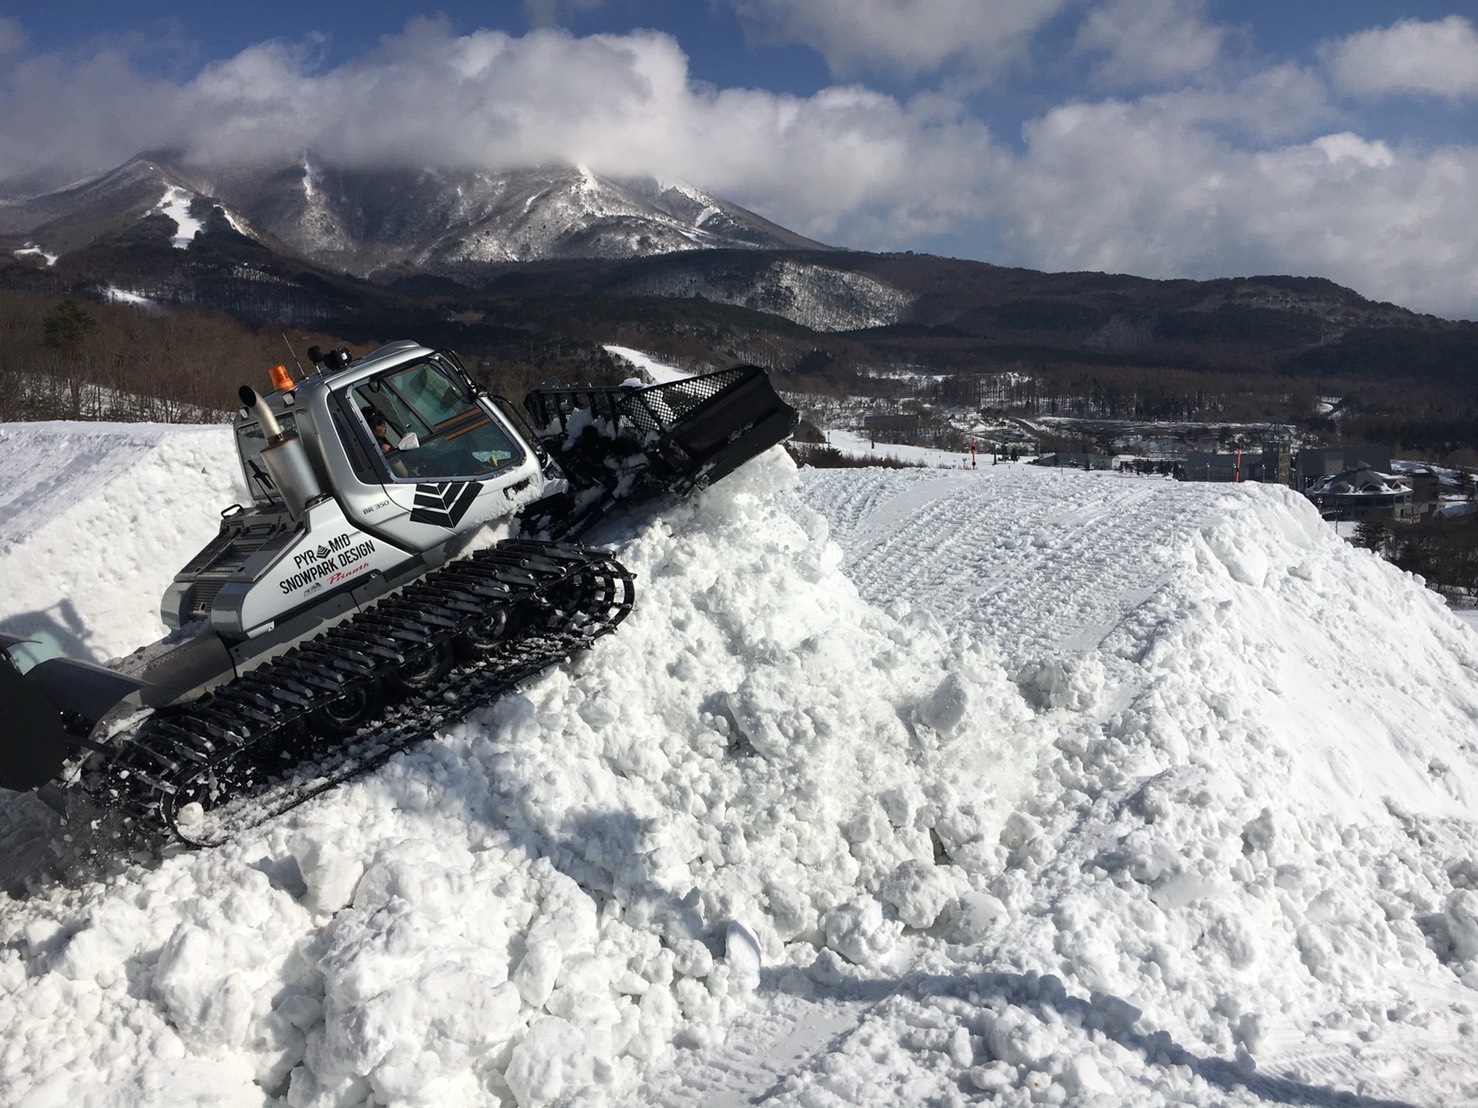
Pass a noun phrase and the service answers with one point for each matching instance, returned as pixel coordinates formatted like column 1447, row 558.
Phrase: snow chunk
column 918, row 892
column 977, row 917
column 1074, row 683
column 558, row 1061
column 859, row 933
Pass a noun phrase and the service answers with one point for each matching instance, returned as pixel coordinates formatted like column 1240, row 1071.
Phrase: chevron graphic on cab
column 444, row 504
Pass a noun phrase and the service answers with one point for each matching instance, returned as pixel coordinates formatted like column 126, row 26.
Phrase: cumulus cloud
column 908, row 37
column 1410, row 57
column 1285, row 101
column 852, row 165
column 625, row 105
column 1109, row 186
column 1220, row 176
column 69, row 118
column 486, row 99
column 1150, row 41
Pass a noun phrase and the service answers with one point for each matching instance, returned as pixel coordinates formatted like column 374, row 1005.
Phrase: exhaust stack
column 285, row 457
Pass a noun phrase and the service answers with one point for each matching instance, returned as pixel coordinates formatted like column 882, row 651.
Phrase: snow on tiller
column 614, row 442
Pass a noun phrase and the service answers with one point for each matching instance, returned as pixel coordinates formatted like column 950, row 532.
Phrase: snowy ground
column 898, row 787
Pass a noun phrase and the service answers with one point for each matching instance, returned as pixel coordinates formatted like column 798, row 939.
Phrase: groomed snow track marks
column 967, row 524
column 1382, row 1073
column 249, row 750
column 764, row 1049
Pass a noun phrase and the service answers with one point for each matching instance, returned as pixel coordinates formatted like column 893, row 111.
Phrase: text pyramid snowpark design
column 890, row 787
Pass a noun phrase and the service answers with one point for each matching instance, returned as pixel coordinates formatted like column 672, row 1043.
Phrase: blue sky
column 1161, row 137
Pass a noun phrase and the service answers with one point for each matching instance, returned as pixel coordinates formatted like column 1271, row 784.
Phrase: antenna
column 293, row 352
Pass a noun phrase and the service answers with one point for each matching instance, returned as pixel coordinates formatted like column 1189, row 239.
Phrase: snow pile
column 896, row 787
column 95, row 520
column 1256, row 828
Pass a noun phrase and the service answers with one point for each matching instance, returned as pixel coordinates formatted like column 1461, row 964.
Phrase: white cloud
column 845, row 159
column 850, row 162
column 1271, row 105
column 909, row 37
column 486, row 99
column 1410, row 57
column 1150, row 41
column 1218, row 178
column 1348, row 147
column 1110, row 186
column 70, row 118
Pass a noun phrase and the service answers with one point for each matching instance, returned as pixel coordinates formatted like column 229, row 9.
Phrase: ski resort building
column 1311, row 465
column 1076, row 460
column 1358, row 493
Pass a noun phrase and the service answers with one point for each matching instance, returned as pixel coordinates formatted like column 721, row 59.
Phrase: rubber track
column 244, row 751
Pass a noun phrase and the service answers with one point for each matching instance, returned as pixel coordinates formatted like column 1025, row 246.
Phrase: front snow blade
column 616, row 442
column 44, row 710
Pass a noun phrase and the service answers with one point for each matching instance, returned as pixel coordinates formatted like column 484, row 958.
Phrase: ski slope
column 898, row 787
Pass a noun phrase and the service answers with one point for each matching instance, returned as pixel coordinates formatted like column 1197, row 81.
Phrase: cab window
column 425, row 425
column 250, row 442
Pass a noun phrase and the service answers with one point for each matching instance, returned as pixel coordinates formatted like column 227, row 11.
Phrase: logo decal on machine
column 444, row 504
column 330, row 560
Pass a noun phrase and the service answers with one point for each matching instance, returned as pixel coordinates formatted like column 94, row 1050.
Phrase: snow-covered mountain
column 808, row 292
column 145, row 204
column 375, row 222
column 466, row 225
column 897, row 787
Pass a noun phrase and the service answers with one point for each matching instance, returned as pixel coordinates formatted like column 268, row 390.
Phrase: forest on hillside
column 65, row 358
column 69, row 356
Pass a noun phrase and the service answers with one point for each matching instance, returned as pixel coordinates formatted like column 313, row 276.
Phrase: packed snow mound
column 1194, row 613
column 896, row 787
column 96, row 518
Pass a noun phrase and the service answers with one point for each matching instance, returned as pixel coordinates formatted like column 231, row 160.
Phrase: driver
column 381, row 432
column 377, row 428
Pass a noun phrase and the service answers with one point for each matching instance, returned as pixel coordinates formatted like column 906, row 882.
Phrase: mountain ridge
column 560, row 252
column 366, row 221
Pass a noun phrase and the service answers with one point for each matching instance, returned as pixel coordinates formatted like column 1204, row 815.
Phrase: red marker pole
column 972, row 451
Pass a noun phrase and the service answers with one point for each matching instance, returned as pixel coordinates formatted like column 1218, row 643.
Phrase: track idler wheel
column 487, row 635
column 424, row 669
column 345, row 715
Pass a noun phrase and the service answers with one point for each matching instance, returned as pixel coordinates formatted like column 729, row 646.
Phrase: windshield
column 426, row 424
